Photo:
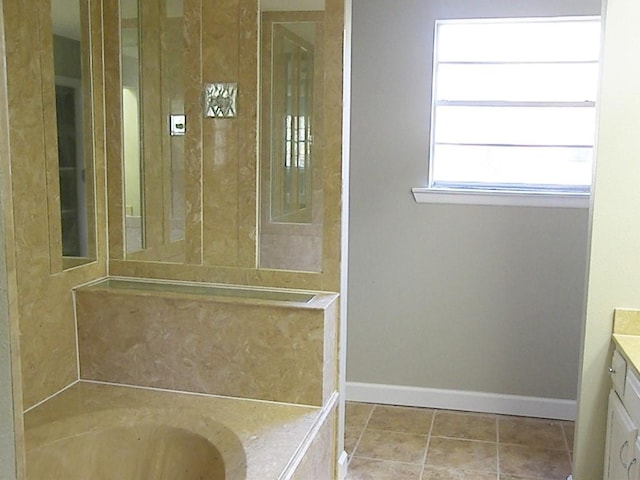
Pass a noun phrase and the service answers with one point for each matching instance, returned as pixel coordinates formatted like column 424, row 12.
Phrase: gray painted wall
column 459, row 297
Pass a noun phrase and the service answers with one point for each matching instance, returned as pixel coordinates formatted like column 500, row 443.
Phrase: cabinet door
column 618, row 372
column 621, row 438
column 633, row 470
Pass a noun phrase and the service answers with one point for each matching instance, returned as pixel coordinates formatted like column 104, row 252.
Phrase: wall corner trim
column 498, row 403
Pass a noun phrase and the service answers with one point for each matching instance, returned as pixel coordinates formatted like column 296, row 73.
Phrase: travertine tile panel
column 330, row 350
column 258, row 437
column 319, row 460
column 199, row 344
column 44, row 308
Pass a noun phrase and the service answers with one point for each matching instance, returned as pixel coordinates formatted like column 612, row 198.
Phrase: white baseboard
column 462, row 400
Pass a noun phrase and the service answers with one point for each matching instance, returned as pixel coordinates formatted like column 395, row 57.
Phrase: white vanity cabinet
column 623, row 444
column 621, row 441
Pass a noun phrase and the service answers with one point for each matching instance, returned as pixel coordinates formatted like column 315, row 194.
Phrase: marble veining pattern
column 263, row 350
column 260, row 437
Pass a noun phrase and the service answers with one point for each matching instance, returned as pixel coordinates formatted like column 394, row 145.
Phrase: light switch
column 177, row 125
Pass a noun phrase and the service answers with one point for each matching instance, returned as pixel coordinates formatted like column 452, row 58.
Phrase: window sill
column 490, row 197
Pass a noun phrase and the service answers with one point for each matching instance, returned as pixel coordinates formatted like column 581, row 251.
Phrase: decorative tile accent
column 220, row 100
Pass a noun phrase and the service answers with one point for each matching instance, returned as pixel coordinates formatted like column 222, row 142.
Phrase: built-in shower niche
column 267, row 344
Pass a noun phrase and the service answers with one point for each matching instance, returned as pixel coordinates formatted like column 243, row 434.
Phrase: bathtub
column 149, row 450
column 104, row 432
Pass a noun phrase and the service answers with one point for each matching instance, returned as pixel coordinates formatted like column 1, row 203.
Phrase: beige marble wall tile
column 330, row 353
column 246, row 349
column 319, row 460
column 193, row 138
column 332, row 156
column 44, row 304
column 220, row 142
column 269, row 434
column 248, row 132
column 13, row 429
column 213, row 274
column 220, row 164
column 291, row 252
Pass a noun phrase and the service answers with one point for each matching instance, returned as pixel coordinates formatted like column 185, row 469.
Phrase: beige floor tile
column 351, row 437
column 465, row 426
column 437, row 473
column 569, row 430
column 515, row 477
column 357, row 414
column 462, row 454
column 368, row 469
column 401, row 419
column 533, row 433
column 392, row 446
column 534, row 463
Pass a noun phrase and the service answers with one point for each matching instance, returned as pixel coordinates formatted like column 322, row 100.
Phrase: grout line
column 50, row 397
column 566, row 442
column 364, row 427
column 76, row 333
column 498, row 447
column 430, row 436
column 198, row 394
column 426, row 450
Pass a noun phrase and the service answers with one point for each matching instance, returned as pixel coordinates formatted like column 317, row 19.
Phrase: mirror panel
column 74, row 128
column 153, row 129
column 245, row 198
column 131, row 139
column 291, row 209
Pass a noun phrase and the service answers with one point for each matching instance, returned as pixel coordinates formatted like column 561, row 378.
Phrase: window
column 513, row 105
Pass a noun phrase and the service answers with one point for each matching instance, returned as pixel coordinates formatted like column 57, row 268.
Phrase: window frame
column 466, row 192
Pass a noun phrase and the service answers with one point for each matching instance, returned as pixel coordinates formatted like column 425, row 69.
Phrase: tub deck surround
column 267, row 344
column 626, row 334
column 256, row 440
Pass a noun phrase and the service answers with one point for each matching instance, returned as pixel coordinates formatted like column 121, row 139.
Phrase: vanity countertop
column 629, row 346
column 626, row 335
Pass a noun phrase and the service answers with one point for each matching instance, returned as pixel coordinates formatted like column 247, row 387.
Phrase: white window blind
column 514, row 104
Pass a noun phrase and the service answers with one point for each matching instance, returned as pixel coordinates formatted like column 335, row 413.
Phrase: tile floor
column 404, row 443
